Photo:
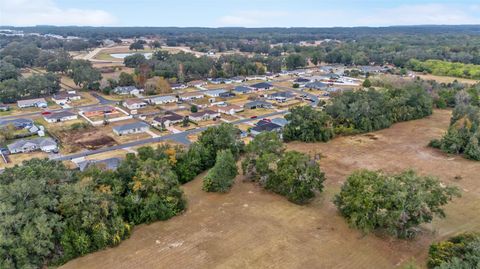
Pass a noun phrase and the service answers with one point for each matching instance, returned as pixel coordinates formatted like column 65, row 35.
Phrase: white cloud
column 416, row 14
column 46, row 12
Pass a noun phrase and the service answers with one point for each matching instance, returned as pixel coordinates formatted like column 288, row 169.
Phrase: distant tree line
column 357, row 112
column 445, row 68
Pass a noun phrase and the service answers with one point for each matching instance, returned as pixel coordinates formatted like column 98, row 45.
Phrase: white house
column 125, row 90
column 64, row 98
column 45, row 144
column 38, row 102
column 230, row 109
column 60, row 116
column 215, row 93
column 204, row 115
column 134, row 104
column 191, row 96
column 160, row 100
column 131, row 128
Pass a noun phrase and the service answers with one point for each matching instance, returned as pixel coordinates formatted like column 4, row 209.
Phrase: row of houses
column 61, row 98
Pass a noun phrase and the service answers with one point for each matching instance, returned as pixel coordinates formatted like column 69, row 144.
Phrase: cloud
column 252, row 18
column 415, row 14
column 46, row 12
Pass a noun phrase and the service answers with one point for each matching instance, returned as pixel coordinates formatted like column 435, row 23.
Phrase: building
column 280, row 121
column 220, row 81
column 168, row 119
column 4, row 107
column 258, row 104
column 133, row 104
column 109, row 164
column 38, row 102
column 160, row 100
column 64, row 98
column 19, row 123
column 265, row 126
column 45, row 144
column 178, row 86
column 215, row 93
column 125, row 90
column 204, row 115
column 191, row 96
column 262, row 86
column 281, row 96
column 226, row 94
column 230, row 109
column 242, row 89
column 197, row 84
column 238, row 79
column 301, row 81
column 316, row 85
column 60, row 116
column 131, row 128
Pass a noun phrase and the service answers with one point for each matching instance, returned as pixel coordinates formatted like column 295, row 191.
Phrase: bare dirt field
column 252, row 228
column 90, row 138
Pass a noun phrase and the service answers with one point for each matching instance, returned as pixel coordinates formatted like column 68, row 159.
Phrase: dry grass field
column 252, row 228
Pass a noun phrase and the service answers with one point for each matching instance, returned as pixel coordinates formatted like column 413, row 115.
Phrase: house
column 256, row 78
column 38, row 102
column 178, row 86
column 167, row 120
column 262, row 86
column 204, row 115
column 215, row 93
column 281, row 96
column 265, row 126
column 226, row 94
column 60, row 116
column 242, row 89
column 301, row 81
column 258, row 104
column 109, row 164
column 280, row 121
column 316, row 85
column 97, row 111
column 191, row 96
column 134, row 104
column 220, row 81
column 372, row 69
column 238, row 79
column 4, row 107
column 19, row 123
column 131, row 128
column 160, row 100
column 45, row 144
column 64, row 98
column 230, row 109
column 125, row 90
column 197, row 84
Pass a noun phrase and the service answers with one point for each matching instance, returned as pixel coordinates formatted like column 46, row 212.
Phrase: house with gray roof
column 316, row 85
column 45, row 144
column 60, row 116
column 131, row 128
column 167, row 119
column 262, row 86
column 214, row 93
column 242, row 89
column 109, row 164
column 281, row 96
column 258, row 104
column 160, row 100
column 125, row 90
column 19, row 123
column 38, row 102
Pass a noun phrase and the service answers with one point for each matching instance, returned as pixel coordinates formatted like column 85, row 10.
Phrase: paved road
column 179, row 137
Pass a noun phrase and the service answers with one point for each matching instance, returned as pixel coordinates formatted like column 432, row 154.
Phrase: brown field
column 446, row 79
column 252, row 228
column 90, row 138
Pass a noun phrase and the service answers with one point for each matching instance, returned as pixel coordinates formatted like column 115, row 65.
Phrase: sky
column 244, row 13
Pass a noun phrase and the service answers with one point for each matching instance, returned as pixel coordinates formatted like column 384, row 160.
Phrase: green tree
column 193, row 109
column 84, row 74
column 136, row 46
column 8, row 71
column 126, row 79
column 220, row 137
column 134, row 60
column 294, row 61
column 220, row 178
column 308, row 125
column 397, row 203
column 461, row 251
column 366, row 83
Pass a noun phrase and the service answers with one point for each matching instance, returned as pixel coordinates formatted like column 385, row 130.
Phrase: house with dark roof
column 131, row 128
column 281, row 96
column 204, row 115
column 167, row 119
column 109, row 164
column 214, row 93
column 265, row 126
column 242, row 89
column 178, row 86
column 262, row 86
column 4, row 107
column 226, row 94
column 257, row 104
column 316, row 85
column 60, row 116
column 18, row 123
column 238, row 79
column 64, row 97
column 45, row 144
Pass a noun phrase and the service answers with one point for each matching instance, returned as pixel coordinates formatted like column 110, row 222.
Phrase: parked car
column 253, row 117
column 46, row 112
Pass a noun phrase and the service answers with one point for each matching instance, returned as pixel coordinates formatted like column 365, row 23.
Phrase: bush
column 461, row 251
column 220, row 177
column 398, row 203
column 308, row 125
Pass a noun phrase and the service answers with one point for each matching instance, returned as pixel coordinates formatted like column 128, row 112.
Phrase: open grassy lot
column 446, row 79
column 247, row 113
column 252, row 228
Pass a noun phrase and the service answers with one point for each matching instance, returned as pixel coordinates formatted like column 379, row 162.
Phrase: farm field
column 252, row 228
